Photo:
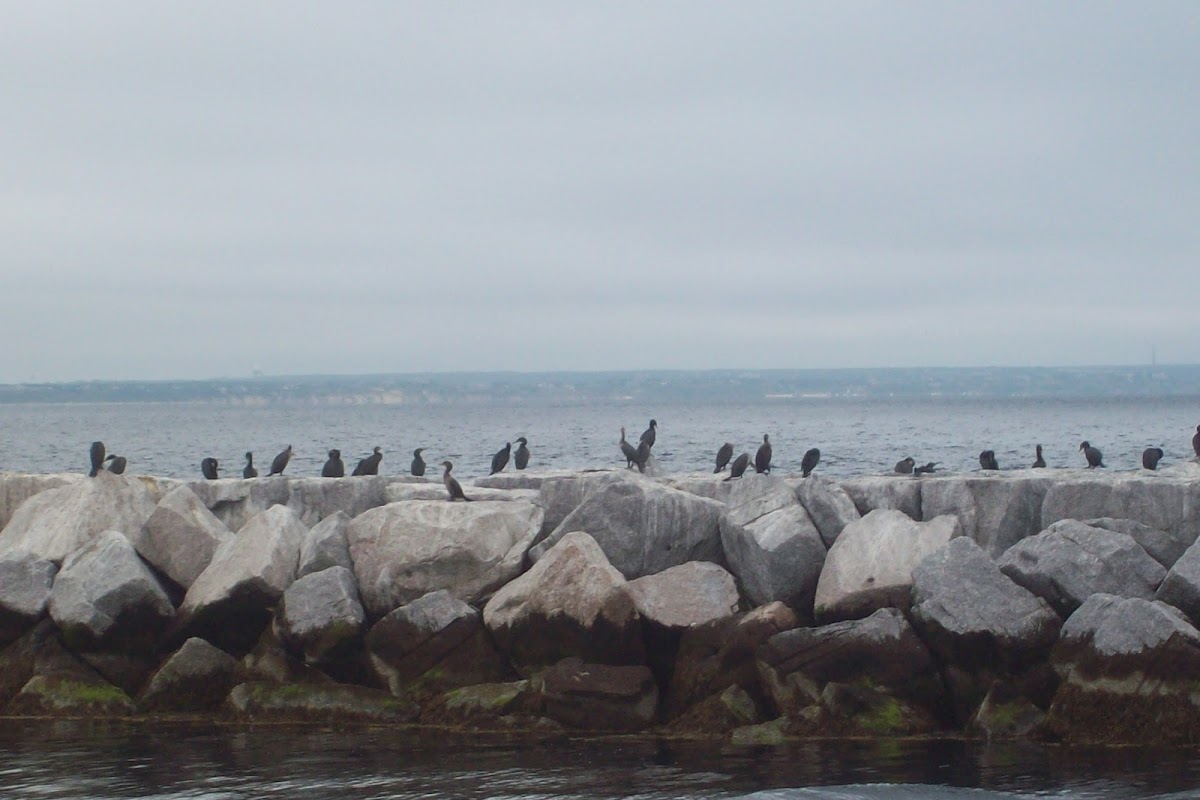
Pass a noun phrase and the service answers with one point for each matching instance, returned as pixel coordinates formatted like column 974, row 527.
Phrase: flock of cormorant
column 634, row 457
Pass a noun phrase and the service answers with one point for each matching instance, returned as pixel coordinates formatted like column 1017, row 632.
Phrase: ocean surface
column 854, row 436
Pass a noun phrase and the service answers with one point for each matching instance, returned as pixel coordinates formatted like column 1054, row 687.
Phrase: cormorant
column 521, row 457
column 1151, row 456
column 334, row 467
column 418, row 463
column 987, row 460
column 810, row 461
column 281, row 461
column 650, row 434
column 97, row 456
column 249, row 471
column 370, row 464
column 926, row 468
column 1094, row 457
column 1040, row 462
column 208, row 468
column 642, row 456
column 452, row 485
column 500, row 460
column 1196, row 442
column 723, row 456
column 629, row 451
column 905, row 465
column 762, row 459
column 738, row 467
column 117, row 467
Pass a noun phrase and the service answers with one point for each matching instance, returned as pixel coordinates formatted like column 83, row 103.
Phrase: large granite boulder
column 1162, row 501
column 235, row 501
column 691, row 594
column 25, row 582
column 644, row 527
column 105, row 597
column 435, row 490
column 829, row 506
column 599, row 697
column 572, row 602
column 325, row 546
column 320, row 703
column 197, row 677
column 320, row 615
column 405, row 550
column 315, row 499
column 180, row 537
column 1165, row 548
column 1070, row 561
column 885, row 492
column 714, row 486
column 771, row 544
column 57, row 522
column 230, row 603
column 39, row 677
column 559, row 496
column 996, row 511
column 1181, row 586
column 870, row 566
column 521, row 479
column 17, row 487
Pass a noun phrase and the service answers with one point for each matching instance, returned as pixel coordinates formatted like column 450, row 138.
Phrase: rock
column 403, row 492
column 522, row 479
column 405, row 550
column 599, row 697
column 1069, row 562
column 884, row 492
column 764, row 734
column 197, row 677
column 703, row 484
column 862, row 709
column 320, row 615
column 870, row 565
column 829, row 506
column 558, row 497
column 25, row 582
column 180, row 537
column 230, row 603
column 1181, row 586
column 776, row 557
column 997, row 511
column 481, row 703
column 235, row 501
column 316, row 499
column 270, row 661
column 16, row 488
column 323, row 703
column 57, row 522
column 106, row 598
column 65, row 696
column 325, row 546
column 691, row 594
column 644, row 527
column 1005, row 714
column 572, row 602
column 1165, row 548
column 1158, row 499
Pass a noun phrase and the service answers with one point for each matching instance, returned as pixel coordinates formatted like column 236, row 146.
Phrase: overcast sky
column 193, row 190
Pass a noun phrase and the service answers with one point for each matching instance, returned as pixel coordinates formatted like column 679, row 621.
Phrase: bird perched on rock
column 249, row 471
column 97, row 457
column 370, row 464
column 500, row 460
column 1093, row 455
column 926, row 469
column 987, row 460
column 280, row 462
column 723, row 456
column 1196, row 442
column 629, row 451
column 521, row 457
column 117, row 467
column 811, row 458
column 452, row 485
column 762, row 459
column 905, row 465
column 334, row 466
column 650, row 434
column 208, row 468
column 1039, row 462
column 1151, row 456
column 643, row 456
column 738, row 468
column 418, row 463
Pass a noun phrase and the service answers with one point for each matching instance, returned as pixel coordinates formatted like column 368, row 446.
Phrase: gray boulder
column 1181, row 586
column 320, row 615
column 405, row 550
column 559, row 496
column 829, row 506
column 180, row 537
column 1067, row 563
column 325, row 546
column 1160, row 500
column 16, row 488
column 644, row 527
column 197, row 677
column 106, row 598
column 884, row 492
column 235, row 501
column 997, row 511
column 25, row 582
column 403, row 492
column 703, row 484
column 680, row 597
column 521, row 479
column 870, row 566
column 57, row 522
column 1163, row 547
column 321, row 703
column 599, row 697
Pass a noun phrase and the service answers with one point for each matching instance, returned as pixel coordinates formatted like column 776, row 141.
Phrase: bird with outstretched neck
column 453, row 487
column 629, row 451
column 1039, row 462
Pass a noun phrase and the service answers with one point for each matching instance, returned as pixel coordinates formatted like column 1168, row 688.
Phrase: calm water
column 76, row 760
column 855, row 437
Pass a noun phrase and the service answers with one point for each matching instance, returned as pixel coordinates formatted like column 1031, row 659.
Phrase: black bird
column 650, row 434
column 418, row 463
column 249, row 471
column 1040, row 462
column 370, row 464
column 762, row 459
column 738, row 467
column 926, row 468
column 208, row 468
column 987, row 460
column 97, row 456
column 723, row 456
column 500, row 460
column 1151, row 456
column 629, row 451
column 905, row 465
column 643, row 456
column 281, row 461
column 452, row 485
column 1196, row 442
column 117, row 467
column 810, row 461
column 334, row 467
column 521, row 457
column 1094, row 457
